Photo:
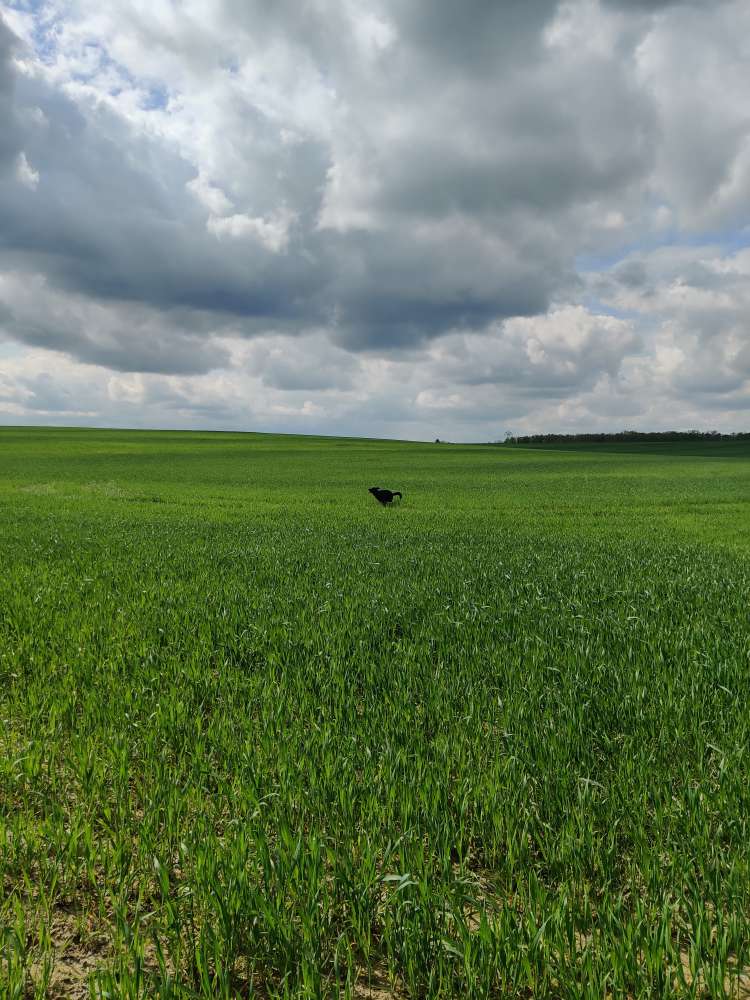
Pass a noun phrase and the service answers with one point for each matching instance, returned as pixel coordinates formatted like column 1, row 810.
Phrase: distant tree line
column 624, row 436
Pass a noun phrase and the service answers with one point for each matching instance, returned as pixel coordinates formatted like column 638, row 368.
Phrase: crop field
column 260, row 737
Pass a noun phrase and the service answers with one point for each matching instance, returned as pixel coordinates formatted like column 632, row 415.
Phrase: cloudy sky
column 398, row 218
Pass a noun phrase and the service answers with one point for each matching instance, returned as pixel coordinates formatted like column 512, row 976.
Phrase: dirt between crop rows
column 79, row 948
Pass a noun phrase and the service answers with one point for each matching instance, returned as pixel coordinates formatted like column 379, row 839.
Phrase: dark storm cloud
column 648, row 5
column 498, row 166
column 9, row 138
column 474, row 34
column 122, row 337
column 459, row 231
column 124, row 227
column 395, row 293
column 125, row 348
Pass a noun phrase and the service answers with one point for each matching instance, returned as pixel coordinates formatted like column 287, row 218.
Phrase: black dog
column 384, row 496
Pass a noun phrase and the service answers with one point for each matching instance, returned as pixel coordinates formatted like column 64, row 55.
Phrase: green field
column 261, row 737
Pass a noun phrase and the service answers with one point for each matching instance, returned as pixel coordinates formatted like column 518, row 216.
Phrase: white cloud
column 25, row 173
column 126, row 389
column 211, row 196
column 273, row 232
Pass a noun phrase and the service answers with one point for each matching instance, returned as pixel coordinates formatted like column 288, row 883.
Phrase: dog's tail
column 397, row 494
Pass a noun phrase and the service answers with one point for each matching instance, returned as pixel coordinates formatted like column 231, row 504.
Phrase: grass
column 261, row 737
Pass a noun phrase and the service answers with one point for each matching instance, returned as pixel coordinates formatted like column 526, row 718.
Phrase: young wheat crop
column 261, row 737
